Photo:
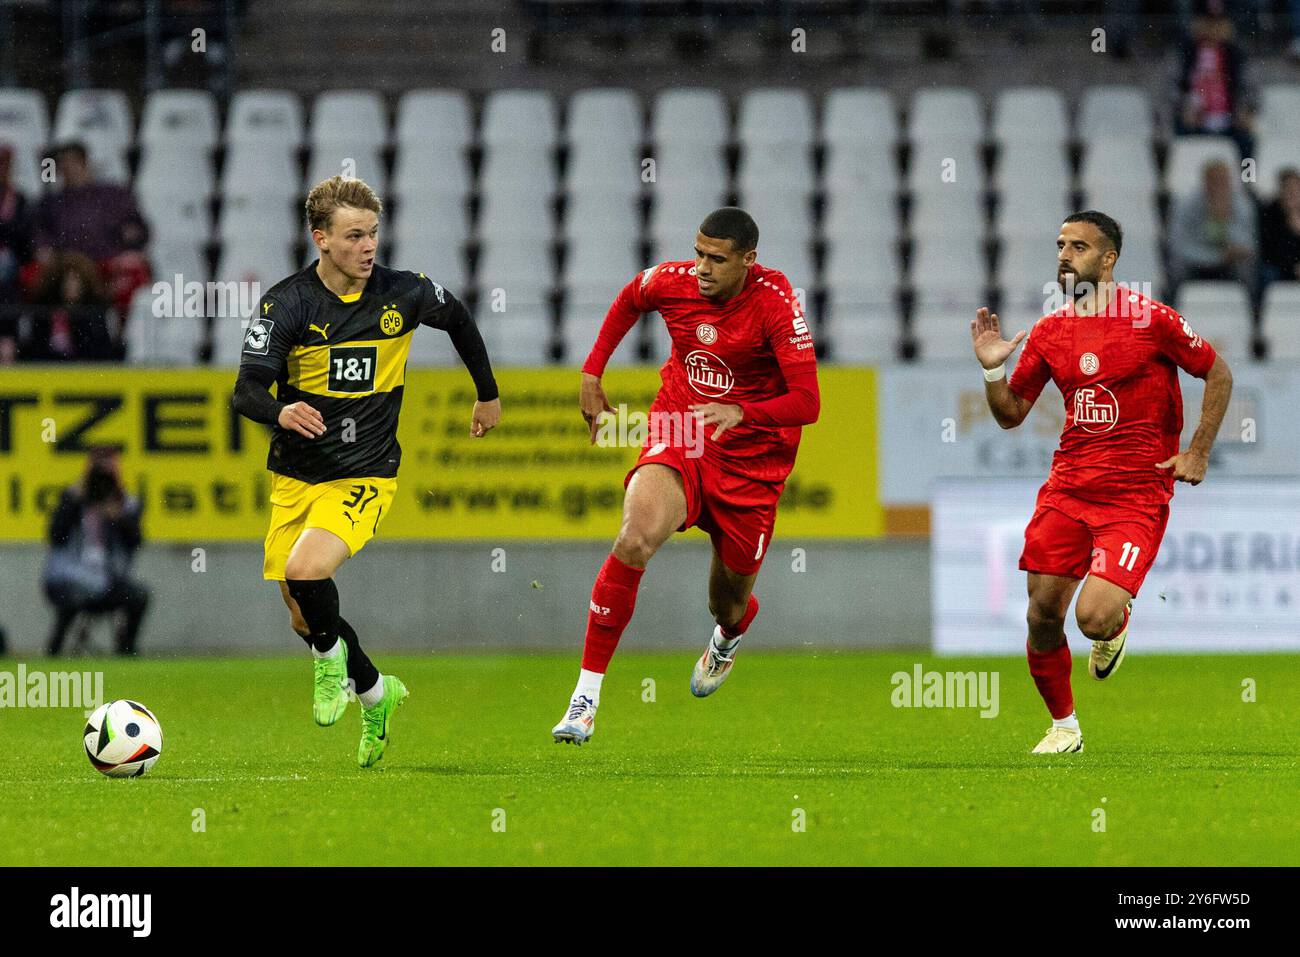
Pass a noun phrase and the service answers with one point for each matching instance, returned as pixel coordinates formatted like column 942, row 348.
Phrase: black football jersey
column 345, row 357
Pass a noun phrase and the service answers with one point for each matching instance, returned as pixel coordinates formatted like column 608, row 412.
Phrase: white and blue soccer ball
column 123, row 739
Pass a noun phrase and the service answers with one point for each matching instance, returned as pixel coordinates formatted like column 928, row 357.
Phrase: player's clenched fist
column 986, row 335
column 301, row 418
column 486, row 417
column 591, row 398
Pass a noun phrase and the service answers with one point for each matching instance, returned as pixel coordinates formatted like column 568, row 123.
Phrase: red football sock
column 613, row 599
column 1051, row 671
column 740, row 627
column 1123, row 624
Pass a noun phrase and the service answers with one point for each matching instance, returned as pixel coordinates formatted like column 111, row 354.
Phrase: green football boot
column 330, row 695
column 375, row 721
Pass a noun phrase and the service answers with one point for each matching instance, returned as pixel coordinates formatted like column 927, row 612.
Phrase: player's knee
column 1096, row 621
column 634, row 546
column 305, row 568
column 1045, row 622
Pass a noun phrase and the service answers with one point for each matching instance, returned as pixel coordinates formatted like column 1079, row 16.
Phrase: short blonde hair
column 330, row 194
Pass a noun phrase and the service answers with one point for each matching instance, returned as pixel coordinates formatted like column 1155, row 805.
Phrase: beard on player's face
column 1078, row 280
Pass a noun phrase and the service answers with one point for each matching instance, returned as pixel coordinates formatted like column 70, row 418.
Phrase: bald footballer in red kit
column 1115, row 354
column 723, row 432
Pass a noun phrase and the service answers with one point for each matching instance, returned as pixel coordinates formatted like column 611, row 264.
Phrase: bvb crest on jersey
column 391, row 321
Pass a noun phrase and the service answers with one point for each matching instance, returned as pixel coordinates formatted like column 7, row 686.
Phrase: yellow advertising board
column 200, row 469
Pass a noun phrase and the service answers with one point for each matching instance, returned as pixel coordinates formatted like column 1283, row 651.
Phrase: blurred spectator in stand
column 15, row 249
column 70, row 316
column 94, row 535
column 1213, row 97
column 1279, row 231
column 1212, row 233
column 101, row 220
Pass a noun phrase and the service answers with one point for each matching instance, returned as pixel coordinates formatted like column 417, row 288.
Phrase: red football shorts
column 1072, row 538
column 738, row 513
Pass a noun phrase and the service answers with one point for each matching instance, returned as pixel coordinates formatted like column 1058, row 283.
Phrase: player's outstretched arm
column 1191, row 464
column 1008, row 409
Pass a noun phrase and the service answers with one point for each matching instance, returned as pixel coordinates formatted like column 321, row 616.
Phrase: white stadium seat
column 1115, row 111
column 265, row 262
column 692, row 116
column 1188, row 155
column 519, row 268
column 356, row 115
column 100, row 118
column 768, row 167
column 1030, row 114
column 780, row 215
column 946, row 115
column 265, row 116
column 353, row 158
column 426, row 167
column 944, row 332
column 857, row 331
column 24, row 121
column 1027, row 262
column 177, row 216
column 1220, row 313
column 169, row 168
column 1032, row 166
column 1023, row 213
column 519, row 168
column 434, row 117
column 869, row 170
column 441, row 261
column 688, row 169
column 947, row 269
column 855, row 273
column 172, row 256
column 1280, row 320
column 1274, row 152
column 605, row 116
column 865, row 219
column 948, row 212
column 261, row 168
column 859, row 116
column 160, row 340
column 1136, row 210
column 945, row 166
column 427, row 217
column 607, row 218
column 596, row 268
column 1279, row 109
column 604, row 169
column 521, row 335
column 520, row 117
column 775, row 117
column 430, row 348
column 180, row 118
column 1112, row 162
column 258, row 219
column 516, row 215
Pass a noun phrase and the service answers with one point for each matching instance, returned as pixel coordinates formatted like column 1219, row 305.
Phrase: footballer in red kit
column 1114, row 353
column 723, row 432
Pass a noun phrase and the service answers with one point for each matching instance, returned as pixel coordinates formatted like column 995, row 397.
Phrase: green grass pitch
column 1178, row 768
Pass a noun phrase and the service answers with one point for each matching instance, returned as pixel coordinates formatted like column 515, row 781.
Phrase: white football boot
column 713, row 667
column 1060, row 741
column 1106, row 656
column 578, row 723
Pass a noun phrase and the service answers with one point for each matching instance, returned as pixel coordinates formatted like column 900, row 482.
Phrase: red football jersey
column 735, row 352
column 1118, row 374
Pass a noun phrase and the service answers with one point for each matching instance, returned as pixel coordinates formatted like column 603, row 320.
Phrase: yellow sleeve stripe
column 309, row 366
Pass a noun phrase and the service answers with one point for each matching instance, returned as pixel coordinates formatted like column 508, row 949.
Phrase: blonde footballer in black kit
column 334, row 339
